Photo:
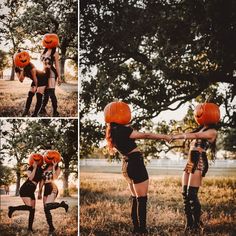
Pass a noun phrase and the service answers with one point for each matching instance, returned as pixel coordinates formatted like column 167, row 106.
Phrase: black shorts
column 133, row 168
column 50, row 188
column 27, row 189
column 41, row 82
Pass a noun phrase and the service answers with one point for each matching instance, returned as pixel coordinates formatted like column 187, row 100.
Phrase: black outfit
column 197, row 161
column 134, row 171
column 27, row 190
column 50, row 188
column 50, row 92
column 42, row 80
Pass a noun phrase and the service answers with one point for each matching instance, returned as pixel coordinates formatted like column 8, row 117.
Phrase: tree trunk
column 62, row 63
column 12, row 72
column 66, row 182
column 17, row 183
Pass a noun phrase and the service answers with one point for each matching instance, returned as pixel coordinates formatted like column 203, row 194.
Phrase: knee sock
column 38, row 104
column 142, row 213
column 45, row 100
column 134, row 214
column 195, row 204
column 11, row 209
column 31, row 219
column 53, row 99
column 28, row 102
column 55, row 205
column 187, row 208
column 48, row 217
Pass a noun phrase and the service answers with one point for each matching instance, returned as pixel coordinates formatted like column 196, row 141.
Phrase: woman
column 50, row 57
column 38, row 85
column 203, row 137
column 27, row 190
column 50, row 173
column 121, row 136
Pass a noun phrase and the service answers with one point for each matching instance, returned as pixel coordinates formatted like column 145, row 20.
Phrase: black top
column 27, row 70
column 202, row 143
column 38, row 173
column 120, row 138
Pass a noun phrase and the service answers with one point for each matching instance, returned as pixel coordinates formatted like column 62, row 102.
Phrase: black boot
column 187, row 210
column 134, row 214
column 44, row 103
column 54, row 101
column 31, row 219
column 49, row 218
column 142, row 214
column 55, row 205
column 11, row 209
column 196, row 207
column 38, row 104
column 28, row 103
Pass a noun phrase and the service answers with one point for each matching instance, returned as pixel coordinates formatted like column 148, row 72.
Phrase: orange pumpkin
column 52, row 156
column 50, row 41
column 207, row 113
column 117, row 112
column 21, row 59
column 35, row 157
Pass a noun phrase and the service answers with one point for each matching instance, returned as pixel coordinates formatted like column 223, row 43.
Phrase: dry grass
column 104, row 205
column 13, row 96
column 65, row 223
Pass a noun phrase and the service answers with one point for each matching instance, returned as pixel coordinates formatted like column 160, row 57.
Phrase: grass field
column 13, row 96
column 65, row 223
column 105, row 207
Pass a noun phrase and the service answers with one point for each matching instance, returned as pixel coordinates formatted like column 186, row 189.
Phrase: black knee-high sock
column 134, row 213
column 53, row 99
column 38, row 104
column 28, row 102
column 11, row 209
column 142, row 213
column 31, row 219
column 55, row 205
column 45, row 100
column 48, row 217
column 187, row 208
column 195, row 204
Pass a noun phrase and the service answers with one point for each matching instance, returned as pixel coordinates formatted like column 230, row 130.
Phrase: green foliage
column 6, row 175
column 157, row 55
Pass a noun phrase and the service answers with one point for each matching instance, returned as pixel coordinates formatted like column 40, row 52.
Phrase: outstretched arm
column 20, row 75
column 209, row 134
column 140, row 135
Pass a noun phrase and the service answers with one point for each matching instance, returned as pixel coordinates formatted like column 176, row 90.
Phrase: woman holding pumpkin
column 121, row 137
column 28, row 188
column 49, row 57
column 24, row 68
column 50, row 173
column 204, row 137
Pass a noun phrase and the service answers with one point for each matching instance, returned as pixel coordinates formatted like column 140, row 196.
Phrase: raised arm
column 140, row 135
column 31, row 174
column 56, row 55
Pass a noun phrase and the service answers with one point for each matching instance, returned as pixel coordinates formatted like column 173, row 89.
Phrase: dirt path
column 13, row 95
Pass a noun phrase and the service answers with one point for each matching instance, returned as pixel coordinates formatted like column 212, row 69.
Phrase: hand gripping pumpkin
column 207, row 113
column 35, row 157
column 21, row 59
column 117, row 112
column 50, row 41
column 52, row 156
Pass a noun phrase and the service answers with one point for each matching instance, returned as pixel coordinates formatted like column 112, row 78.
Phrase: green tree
column 11, row 33
column 157, row 55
